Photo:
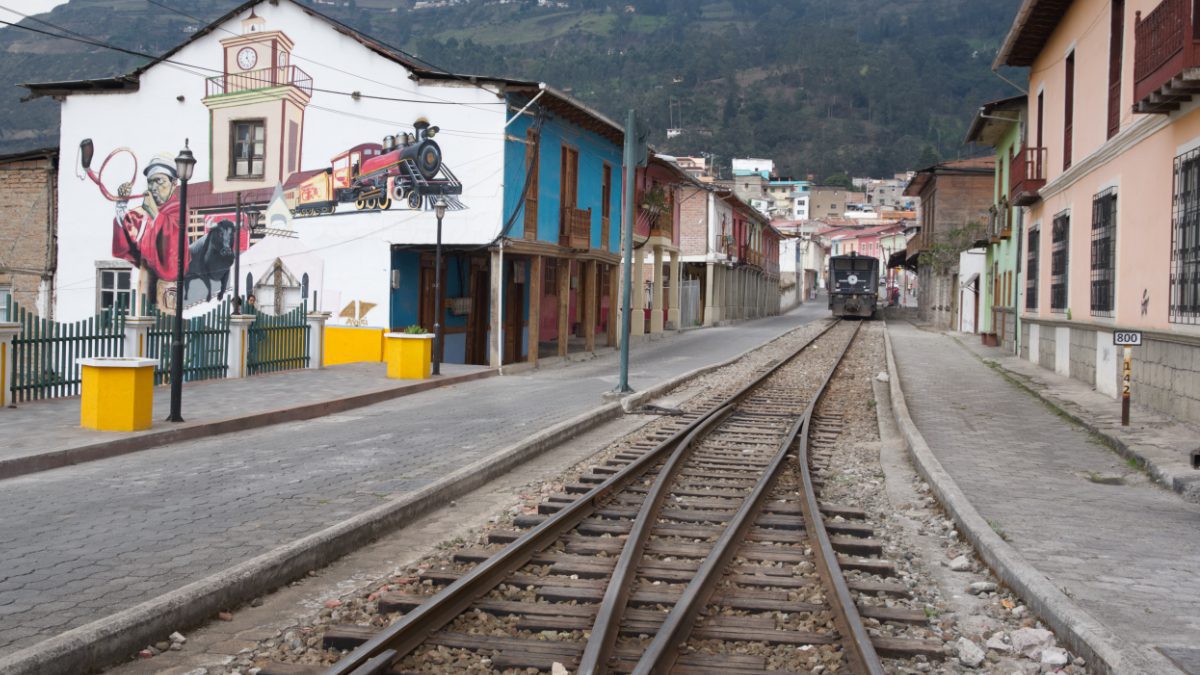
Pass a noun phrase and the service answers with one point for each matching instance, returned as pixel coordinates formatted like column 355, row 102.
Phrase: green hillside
column 862, row 86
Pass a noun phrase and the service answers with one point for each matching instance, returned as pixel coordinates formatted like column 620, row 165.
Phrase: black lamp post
column 184, row 164
column 439, row 208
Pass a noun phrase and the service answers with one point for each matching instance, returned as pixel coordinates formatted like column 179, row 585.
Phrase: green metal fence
column 205, row 344
column 45, row 352
column 278, row 342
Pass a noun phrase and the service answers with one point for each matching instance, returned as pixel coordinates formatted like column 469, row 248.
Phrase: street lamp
column 439, row 209
column 184, row 164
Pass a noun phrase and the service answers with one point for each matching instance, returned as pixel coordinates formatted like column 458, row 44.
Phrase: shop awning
column 902, row 259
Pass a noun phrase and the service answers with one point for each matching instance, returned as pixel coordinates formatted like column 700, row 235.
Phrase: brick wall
column 26, row 217
column 693, row 221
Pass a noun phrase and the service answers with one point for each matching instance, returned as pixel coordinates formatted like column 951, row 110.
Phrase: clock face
column 246, row 58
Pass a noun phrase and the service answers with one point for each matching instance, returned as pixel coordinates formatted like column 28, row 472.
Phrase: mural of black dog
column 211, row 258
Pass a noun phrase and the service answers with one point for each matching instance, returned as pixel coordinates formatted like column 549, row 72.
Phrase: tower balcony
column 253, row 80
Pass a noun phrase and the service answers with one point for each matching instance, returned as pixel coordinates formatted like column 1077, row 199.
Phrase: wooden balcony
column 575, row 228
column 1026, row 176
column 1166, row 58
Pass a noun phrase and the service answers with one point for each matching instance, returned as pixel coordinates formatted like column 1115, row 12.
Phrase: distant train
column 406, row 168
column 854, row 285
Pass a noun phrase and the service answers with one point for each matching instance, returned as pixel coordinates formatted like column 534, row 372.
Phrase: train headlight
column 431, row 132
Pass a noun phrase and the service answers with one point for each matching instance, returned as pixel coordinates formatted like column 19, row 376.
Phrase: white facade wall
column 352, row 247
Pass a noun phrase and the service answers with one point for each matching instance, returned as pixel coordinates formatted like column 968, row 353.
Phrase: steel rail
column 862, row 655
column 663, row 651
column 402, row 637
column 605, row 629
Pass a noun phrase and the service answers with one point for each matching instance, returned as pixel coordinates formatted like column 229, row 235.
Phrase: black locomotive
column 854, row 285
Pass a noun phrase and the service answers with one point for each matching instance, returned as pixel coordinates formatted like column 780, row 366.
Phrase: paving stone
column 1127, row 554
column 125, row 529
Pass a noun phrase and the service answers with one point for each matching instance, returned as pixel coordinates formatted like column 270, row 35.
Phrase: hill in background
column 822, row 86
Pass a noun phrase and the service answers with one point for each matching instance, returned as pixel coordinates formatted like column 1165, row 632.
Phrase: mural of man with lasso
column 146, row 235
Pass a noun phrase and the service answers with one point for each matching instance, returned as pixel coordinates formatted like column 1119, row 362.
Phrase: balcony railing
column 1164, row 53
column 266, row 78
column 575, row 228
column 1027, row 175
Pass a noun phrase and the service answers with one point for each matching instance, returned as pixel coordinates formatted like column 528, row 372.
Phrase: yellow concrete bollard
column 408, row 355
column 118, row 393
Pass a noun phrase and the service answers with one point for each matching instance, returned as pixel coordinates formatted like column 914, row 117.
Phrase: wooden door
column 514, row 302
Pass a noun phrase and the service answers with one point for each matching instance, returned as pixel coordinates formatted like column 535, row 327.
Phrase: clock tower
column 256, row 110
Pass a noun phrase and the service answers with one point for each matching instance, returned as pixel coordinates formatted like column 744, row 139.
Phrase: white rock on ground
column 1055, row 656
column 177, row 637
column 997, row 643
column 1031, row 641
column 969, row 653
column 981, row 587
column 961, row 564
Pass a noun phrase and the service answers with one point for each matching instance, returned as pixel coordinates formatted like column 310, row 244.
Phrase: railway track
column 703, row 549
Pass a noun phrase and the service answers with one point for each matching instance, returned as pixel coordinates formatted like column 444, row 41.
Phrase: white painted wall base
column 1062, row 350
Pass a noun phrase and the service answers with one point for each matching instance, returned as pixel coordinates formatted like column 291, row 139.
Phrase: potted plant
column 655, row 201
column 409, row 353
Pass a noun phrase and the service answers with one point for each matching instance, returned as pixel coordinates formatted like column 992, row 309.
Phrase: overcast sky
column 28, row 7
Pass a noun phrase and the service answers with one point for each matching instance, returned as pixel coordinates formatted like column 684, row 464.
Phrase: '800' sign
column 1127, row 338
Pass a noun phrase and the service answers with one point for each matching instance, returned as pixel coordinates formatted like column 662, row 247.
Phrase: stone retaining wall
column 1166, row 371
column 1047, row 347
column 1083, row 355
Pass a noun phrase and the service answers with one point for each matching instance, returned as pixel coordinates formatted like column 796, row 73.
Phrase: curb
column 20, row 466
column 112, row 639
column 1086, row 636
column 1186, row 486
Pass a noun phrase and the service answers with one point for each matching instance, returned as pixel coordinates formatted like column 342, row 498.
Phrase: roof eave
column 68, row 87
column 1022, row 31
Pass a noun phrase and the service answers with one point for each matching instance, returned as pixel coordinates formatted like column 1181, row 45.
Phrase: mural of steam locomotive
column 406, row 169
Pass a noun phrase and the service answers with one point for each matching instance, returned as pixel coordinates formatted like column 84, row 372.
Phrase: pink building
column 1109, row 178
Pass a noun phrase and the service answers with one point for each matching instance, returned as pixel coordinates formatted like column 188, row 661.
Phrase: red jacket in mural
column 153, row 242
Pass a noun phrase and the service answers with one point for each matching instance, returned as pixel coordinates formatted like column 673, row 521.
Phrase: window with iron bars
column 1031, row 268
column 1185, row 240
column 1060, row 236
column 1104, row 251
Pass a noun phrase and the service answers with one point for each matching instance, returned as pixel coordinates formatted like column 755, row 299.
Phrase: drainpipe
column 1017, row 282
column 500, row 312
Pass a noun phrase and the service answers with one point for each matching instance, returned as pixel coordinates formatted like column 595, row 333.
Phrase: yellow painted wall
column 344, row 344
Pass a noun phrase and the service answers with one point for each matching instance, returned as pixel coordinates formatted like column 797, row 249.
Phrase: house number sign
column 1127, row 339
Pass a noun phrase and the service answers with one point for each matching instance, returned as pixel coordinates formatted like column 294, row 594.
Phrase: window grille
column 1104, row 251
column 1185, row 240
column 1060, row 236
column 1031, row 270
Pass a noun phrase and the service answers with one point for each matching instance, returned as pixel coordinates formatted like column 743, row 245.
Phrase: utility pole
column 636, row 154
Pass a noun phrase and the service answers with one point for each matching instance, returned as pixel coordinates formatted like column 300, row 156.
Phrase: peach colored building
column 1109, row 176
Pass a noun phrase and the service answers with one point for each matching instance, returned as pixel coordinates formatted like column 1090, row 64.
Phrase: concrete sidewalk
column 42, row 435
column 1115, row 556
column 83, row 542
column 1159, row 443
